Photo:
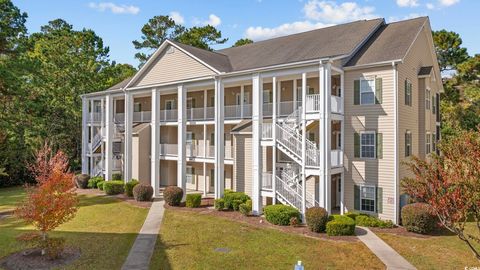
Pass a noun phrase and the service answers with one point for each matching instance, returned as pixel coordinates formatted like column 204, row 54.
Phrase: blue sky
column 119, row 22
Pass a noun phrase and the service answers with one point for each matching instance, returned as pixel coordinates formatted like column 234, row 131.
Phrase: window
column 267, row 96
column 190, row 103
column 427, row 99
column 408, row 143
column 367, row 145
column 367, row 91
column 238, row 98
column 408, row 93
column 137, row 107
column 428, row 143
column 190, row 175
column 190, row 137
column 434, row 105
column 367, row 198
column 169, row 104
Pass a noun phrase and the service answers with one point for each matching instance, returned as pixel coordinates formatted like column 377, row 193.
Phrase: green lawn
column 9, row 197
column 187, row 241
column 445, row 252
column 104, row 229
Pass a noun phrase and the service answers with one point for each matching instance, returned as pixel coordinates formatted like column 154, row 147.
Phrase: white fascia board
column 376, row 64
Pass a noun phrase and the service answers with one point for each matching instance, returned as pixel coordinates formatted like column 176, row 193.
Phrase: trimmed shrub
column 280, row 214
column 113, row 187
column 232, row 196
column 92, row 182
column 352, row 215
column 317, row 218
column 173, row 195
column 193, row 200
column 129, row 187
column 340, row 225
column 142, row 192
column 236, row 204
column 226, row 191
column 219, row 204
column 100, row 185
column 245, row 208
column 418, row 218
column 81, row 180
column 116, row 176
column 369, row 221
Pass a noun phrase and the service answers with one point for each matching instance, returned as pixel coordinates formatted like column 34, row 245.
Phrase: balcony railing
column 168, row 115
column 138, row 117
column 336, row 104
column 336, row 157
column 167, row 149
column 267, row 131
column 313, row 103
column 194, row 150
column 267, row 179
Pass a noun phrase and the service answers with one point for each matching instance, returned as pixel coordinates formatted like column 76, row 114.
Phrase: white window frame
column 374, row 198
column 172, row 102
column 428, row 143
column 427, row 99
column 374, row 144
column 366, row 79
column 137, row 107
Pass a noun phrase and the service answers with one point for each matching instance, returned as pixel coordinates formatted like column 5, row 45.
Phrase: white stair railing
column 97, row 140
column 287, row 193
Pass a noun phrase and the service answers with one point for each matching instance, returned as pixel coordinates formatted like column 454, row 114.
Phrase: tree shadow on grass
column 98, row 250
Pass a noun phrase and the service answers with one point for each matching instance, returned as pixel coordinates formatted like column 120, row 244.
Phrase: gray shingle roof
column 120, row 85
column 424, row 71
column 216, row 60
column 390, row 42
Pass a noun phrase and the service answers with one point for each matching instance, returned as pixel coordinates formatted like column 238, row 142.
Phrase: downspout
column 395, row 132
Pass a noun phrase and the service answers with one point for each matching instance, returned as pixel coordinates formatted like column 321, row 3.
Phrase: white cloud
column 448, row 3
column 114, row 8
column 213, row 20
column 407, row 3
column 177, row 17
column 260, row 33
column 430, row 6
column 407, row 17
column 331, row 12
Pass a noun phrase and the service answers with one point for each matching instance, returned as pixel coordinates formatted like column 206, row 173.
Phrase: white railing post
column 205, row 101
column 242, row 95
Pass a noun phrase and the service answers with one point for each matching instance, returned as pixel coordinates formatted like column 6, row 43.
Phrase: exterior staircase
column 96, row 141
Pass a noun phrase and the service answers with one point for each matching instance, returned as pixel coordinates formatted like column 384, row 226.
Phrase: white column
column 204, row 179
column 155, row 143
column 295, row 94
column 91, row 136
column 84, row 135
column 181, row 139
column 257, row 117
column 325, row 135
column 127, row 157
column 274, row 138
column 342, row 193
column 109, row 129
column 242, row 95
column 304, row 145
column 219, row 139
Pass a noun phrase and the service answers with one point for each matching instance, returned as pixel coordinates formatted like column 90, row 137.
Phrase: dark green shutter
column 406, row 91
column 379, row 200
column 356, row 197
column 378, row 90
column 356, row 92
column 406, row 147
column 356, row 144
column 379, row 146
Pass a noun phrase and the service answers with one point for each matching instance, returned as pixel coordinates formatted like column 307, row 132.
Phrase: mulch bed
column 401, row 231
column 258, row 221
column 34, row 260
column 122, row 197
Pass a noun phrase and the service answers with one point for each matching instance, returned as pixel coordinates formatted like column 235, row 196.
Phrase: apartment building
column 320, row 118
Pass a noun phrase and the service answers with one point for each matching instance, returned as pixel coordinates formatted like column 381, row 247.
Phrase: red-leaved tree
column 450, row 183
column 52, row 201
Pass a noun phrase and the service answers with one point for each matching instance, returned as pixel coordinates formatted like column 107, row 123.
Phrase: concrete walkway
column 384, row 252
column 142, row 250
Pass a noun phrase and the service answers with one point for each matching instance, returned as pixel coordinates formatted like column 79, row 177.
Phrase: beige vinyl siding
column 172, row 66
column 379, row 118
column 168, row 173
column 416, row 118
column 141, row 155
column 242, row 166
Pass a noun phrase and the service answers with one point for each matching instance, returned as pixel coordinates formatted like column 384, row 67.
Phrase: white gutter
column 395, row 143
column 377, row 64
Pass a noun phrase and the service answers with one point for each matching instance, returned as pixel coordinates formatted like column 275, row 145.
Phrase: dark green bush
column 193, row 200
column 236, row 204
column 280, row 214
column 352, row 215
column 369, row 221
column 113, row 187
column 226, row 191
column 142, row 192
column 232, row 196
column 173, row 195
column 219, row 204
column 92, row 182
column 418, row 218
column 340, row 225
column 100, row 185
column 81, row 180
column 129, row 187
column 245, row 208
column 317, row 218
column 116, row 176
